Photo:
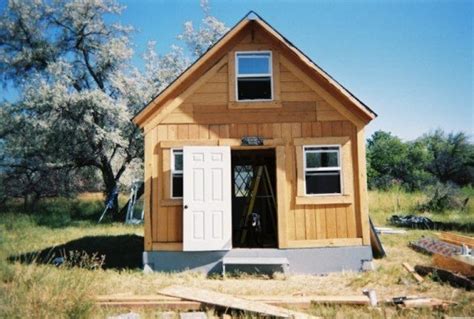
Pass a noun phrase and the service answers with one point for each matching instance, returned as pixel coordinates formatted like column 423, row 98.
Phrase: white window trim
column 173, row 171
column 323, row 169
column 237, row 76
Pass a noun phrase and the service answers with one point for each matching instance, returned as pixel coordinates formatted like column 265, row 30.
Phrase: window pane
column 254, row 63
column 243, row 175
column 177, row 185
column 258, row 88
column 178, row 161
column 323, row 182
column 322, row 159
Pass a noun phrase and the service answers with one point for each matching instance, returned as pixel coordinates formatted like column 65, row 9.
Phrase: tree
column 391, row 161
column 211, row 30
column 451, row 157
column 78, row 89
column 66, row 61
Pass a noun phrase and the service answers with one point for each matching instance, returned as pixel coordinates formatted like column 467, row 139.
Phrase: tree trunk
column 110, row 188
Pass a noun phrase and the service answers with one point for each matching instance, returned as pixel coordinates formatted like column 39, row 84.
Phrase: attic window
column 254, row 76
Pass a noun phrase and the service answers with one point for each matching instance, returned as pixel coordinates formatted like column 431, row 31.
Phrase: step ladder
column 262, row 179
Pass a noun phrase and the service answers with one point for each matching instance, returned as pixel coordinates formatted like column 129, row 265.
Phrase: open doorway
column 254, row 211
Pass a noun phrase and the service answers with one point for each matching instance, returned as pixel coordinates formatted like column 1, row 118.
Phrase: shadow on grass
column 121, row 252
column 457, row 226
column 421, row 222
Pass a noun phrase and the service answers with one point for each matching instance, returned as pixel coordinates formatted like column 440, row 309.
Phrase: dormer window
column 254, row 76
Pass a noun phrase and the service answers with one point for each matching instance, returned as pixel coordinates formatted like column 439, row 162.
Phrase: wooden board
column 377, row 248
column 411, row 270
column 228, row 301
column 457, row 239
column 459, row 264
column 453, row 279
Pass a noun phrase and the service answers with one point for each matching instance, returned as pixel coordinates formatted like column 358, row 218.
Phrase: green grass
column 37, row 290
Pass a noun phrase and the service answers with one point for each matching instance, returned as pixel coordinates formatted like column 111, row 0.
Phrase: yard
column 45, row 291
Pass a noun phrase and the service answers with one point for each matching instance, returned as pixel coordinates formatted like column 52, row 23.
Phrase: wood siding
column 207, row 116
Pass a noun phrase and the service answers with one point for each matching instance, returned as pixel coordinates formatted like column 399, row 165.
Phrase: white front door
column 207, row 208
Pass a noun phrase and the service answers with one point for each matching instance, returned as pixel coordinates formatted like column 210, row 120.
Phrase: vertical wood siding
column 205, row 115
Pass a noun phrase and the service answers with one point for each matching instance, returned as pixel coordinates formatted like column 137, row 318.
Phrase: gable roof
column 217, row 51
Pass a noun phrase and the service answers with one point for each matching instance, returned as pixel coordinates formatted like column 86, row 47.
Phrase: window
column 254, row 76
column 322, row 170
column 177, row 173
column 243, row 175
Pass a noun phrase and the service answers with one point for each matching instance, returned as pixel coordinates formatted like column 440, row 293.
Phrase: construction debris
column 462, row 264
column 419, row 302
column 263, row 305
column 457, row 239
column 411, row 270
column 305, row 302
column 377, row 248
column 389, row 231
column 411, row 221
column 154, row 301
column 444, row 275
column 228, row 301
column 430, row 246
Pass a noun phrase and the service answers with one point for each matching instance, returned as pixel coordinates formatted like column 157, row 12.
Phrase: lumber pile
column 228, row 301
column 457, row 239
column 183, row 299
column 452, row 259
column 444, row 275
column 179, row 304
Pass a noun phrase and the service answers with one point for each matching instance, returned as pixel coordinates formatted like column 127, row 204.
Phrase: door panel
column 207, row 214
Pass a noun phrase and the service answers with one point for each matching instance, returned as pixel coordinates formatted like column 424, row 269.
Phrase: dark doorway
column 254, row 221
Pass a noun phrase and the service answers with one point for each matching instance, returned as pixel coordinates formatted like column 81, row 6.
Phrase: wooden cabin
column 255, row 156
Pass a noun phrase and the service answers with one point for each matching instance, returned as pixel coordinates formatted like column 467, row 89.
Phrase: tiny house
column 255, row 156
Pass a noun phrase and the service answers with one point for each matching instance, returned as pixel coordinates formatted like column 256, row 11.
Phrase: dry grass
column 44, row 291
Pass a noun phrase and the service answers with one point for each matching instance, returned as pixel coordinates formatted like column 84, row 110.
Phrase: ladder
column 129, row 217
column 261, row 179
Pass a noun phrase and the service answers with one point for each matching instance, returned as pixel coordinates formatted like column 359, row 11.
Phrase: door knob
column 185, row 206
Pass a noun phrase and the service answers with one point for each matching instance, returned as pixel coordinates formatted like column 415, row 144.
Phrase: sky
column 410, row 61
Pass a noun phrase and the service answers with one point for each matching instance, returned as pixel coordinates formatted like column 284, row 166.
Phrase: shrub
column 82, row 259
column 442, row 197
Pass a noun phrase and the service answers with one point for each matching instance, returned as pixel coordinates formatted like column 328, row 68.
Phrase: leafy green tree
column 451, row 157
column 392, row 161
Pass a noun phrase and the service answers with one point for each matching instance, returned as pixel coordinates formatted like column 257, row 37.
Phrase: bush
column 443, row 197
column 82, row 259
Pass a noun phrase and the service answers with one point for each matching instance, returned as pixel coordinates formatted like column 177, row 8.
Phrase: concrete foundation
column 302, row 260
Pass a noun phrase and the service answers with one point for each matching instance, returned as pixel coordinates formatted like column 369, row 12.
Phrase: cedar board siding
column 208, row 115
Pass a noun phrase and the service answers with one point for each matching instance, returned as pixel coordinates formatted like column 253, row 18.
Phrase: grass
column 37, row 290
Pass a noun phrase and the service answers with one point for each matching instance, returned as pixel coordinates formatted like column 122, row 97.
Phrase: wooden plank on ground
column 458, row 264
column 228, row 301
column 377, row 248
column 302, row 302
column 457, row 239
column 439, row 274
column 180, row 305
column 411, row 270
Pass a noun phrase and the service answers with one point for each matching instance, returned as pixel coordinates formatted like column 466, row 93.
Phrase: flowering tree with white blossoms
column 78, row 89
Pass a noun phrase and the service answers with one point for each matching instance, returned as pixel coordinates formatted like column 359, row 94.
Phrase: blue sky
column 410, row 61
